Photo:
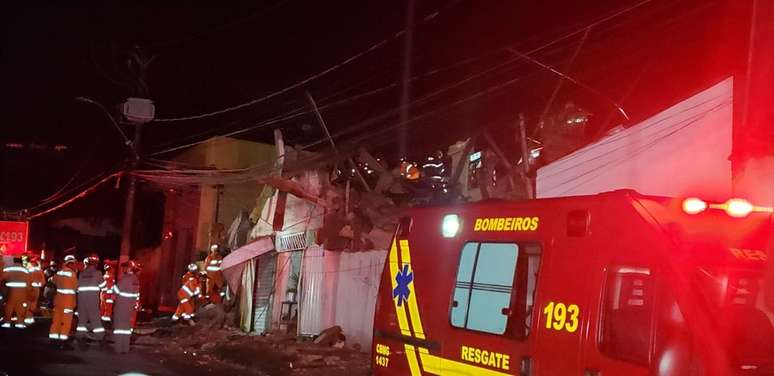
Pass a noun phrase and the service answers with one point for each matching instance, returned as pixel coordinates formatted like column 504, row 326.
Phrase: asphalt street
column 28, row 352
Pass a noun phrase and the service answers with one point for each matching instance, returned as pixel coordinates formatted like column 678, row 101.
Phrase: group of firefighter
column 190, row 292
column 96, row 297
column 80, row 290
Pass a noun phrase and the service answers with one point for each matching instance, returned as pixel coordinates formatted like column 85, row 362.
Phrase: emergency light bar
column 735, row 207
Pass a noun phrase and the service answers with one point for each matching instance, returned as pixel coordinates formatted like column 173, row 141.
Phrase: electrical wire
column 642, row 149
column 298, row 112
column 306, row 80
column 73, row 199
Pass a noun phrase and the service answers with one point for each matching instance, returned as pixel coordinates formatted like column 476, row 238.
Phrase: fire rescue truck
column 617, row 283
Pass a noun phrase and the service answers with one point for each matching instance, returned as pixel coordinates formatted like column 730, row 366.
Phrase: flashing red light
column 738, row 208
column 693, row 205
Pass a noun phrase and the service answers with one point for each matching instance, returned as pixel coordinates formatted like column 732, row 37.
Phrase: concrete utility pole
column 137, row 111
column 525, row 158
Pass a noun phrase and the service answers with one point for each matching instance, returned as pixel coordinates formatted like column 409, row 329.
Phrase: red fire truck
column 613, row 284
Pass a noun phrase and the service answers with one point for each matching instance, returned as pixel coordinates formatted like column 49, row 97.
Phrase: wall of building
column 191, row 212
column 223, row 204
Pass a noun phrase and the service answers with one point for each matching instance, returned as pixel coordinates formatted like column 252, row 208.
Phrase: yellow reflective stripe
column 430, row 364
column 400, row 310
column 416, row 320
column 440, row 366
column 411, row 354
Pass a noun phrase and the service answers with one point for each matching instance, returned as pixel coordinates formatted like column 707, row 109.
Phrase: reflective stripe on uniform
column 15, row 269
column 108, row 300
column 29, row 320
column 37, row 284
column 88, row 288
column 184, row 301
column 213, row 268
column 68, row 310
column 53, row 335
column 98, row 330
column 81, row 329
column 126, row 294
column 66, row 291
column 187, row 290
column 20, row 326
column 105, row 318
column 6, row 325
column 16, row 284
column 122, row 331
column 63, row 337
column 103, row 284
column 64, row 273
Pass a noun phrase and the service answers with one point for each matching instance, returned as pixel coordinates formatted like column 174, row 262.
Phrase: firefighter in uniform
column 215, row 283
column 107, row 296
column 16, row 279
column 89, row 286
column 37, row 281
column 127, row 294
column 188, row 292
column 66, row 281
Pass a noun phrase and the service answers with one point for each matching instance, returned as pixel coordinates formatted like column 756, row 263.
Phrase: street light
column 127, row 142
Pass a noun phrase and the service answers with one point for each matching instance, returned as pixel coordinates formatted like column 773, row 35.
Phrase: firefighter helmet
column 69, row 259
column 132, row 265
column 91, row 260
column 109, row 264
column 192, row 268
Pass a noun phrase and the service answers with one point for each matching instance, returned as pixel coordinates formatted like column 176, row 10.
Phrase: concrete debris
column 246, row 354
column 330, row 336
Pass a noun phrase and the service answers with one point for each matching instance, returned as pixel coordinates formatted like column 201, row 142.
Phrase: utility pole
column 525, row 158
column 137, row 111
column 131, row 192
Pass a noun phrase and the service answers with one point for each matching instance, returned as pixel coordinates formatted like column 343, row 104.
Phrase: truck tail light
column 738, row 208
column 694, row 205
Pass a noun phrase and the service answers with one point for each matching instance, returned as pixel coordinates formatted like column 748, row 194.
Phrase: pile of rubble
column 269, row 354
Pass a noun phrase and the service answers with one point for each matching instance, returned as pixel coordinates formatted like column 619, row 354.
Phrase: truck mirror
column 455, row 304
column 506, row 311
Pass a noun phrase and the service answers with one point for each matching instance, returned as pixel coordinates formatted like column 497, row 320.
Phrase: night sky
column 209, row 58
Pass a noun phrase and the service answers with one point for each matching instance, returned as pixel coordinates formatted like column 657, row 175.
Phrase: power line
column 305, row 81
column 299, row 112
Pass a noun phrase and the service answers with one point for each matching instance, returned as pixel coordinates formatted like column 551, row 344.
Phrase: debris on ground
column 270, row 354
column 331, row 337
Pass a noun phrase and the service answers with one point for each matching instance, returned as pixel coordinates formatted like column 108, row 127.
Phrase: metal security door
column 264, row 289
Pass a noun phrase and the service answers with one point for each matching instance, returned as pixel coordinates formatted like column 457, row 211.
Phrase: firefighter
column 107, row 296
column 137, row 305
column 186, row 295
column 215, row 283
column 37, row 281
column 16, row 279
column 127, row 294
column 66, row 281
column 89, row 286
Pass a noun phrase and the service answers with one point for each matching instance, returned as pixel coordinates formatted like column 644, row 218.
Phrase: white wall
column 340, row 288
column 682, row 151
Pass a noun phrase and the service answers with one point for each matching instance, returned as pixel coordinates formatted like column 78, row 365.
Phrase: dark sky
column 208, row 58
